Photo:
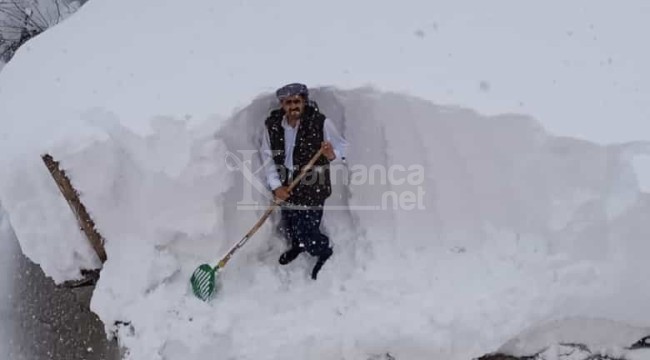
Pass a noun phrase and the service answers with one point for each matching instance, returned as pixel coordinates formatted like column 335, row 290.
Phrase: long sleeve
column 272, row 176
column 332, row 135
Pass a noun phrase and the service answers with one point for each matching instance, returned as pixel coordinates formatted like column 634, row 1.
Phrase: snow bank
column 514, row 226
column 161, row 57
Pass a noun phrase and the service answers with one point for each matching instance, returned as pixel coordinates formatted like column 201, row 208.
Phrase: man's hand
column 281, row 193
column 328, row 150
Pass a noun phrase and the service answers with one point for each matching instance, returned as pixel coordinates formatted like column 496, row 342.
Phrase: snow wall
column 480, row 228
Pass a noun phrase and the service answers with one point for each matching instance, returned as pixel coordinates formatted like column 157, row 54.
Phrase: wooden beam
column 86, row 223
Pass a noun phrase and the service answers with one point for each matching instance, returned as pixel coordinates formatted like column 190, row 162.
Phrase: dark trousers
column 302, row 229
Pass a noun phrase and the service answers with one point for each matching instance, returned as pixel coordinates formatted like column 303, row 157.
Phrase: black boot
column 290, row 255
column 319, row 263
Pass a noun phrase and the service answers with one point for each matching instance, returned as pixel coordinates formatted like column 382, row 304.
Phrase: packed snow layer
column 504, row 226
column 584, row 74
column 44, row 223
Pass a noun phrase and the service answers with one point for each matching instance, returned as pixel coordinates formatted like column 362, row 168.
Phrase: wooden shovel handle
column 268, row 212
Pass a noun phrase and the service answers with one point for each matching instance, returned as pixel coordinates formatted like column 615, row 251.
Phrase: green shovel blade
column 204, row 282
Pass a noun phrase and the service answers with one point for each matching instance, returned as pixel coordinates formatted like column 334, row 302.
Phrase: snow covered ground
column 499, row 224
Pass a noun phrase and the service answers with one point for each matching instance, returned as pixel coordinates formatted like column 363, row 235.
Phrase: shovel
column 204, row 278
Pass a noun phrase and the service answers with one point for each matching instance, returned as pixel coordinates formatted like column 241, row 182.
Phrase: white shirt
column 339, row 144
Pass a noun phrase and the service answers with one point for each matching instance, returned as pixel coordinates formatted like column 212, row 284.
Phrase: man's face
column 293, row 106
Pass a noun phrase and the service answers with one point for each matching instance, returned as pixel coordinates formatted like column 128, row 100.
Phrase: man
column 294, row 134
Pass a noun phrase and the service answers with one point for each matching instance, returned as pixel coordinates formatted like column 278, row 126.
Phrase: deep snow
column 582, row 73
column 517, row 225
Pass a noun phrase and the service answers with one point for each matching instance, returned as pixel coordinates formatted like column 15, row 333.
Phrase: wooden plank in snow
column 71, row 195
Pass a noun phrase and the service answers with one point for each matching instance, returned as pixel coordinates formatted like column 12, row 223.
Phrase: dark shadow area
column 51, row 322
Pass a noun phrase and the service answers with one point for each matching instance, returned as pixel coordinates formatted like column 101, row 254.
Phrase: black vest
column 315, row 187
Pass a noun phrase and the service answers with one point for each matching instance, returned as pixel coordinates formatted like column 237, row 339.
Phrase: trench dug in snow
column 453, row 232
